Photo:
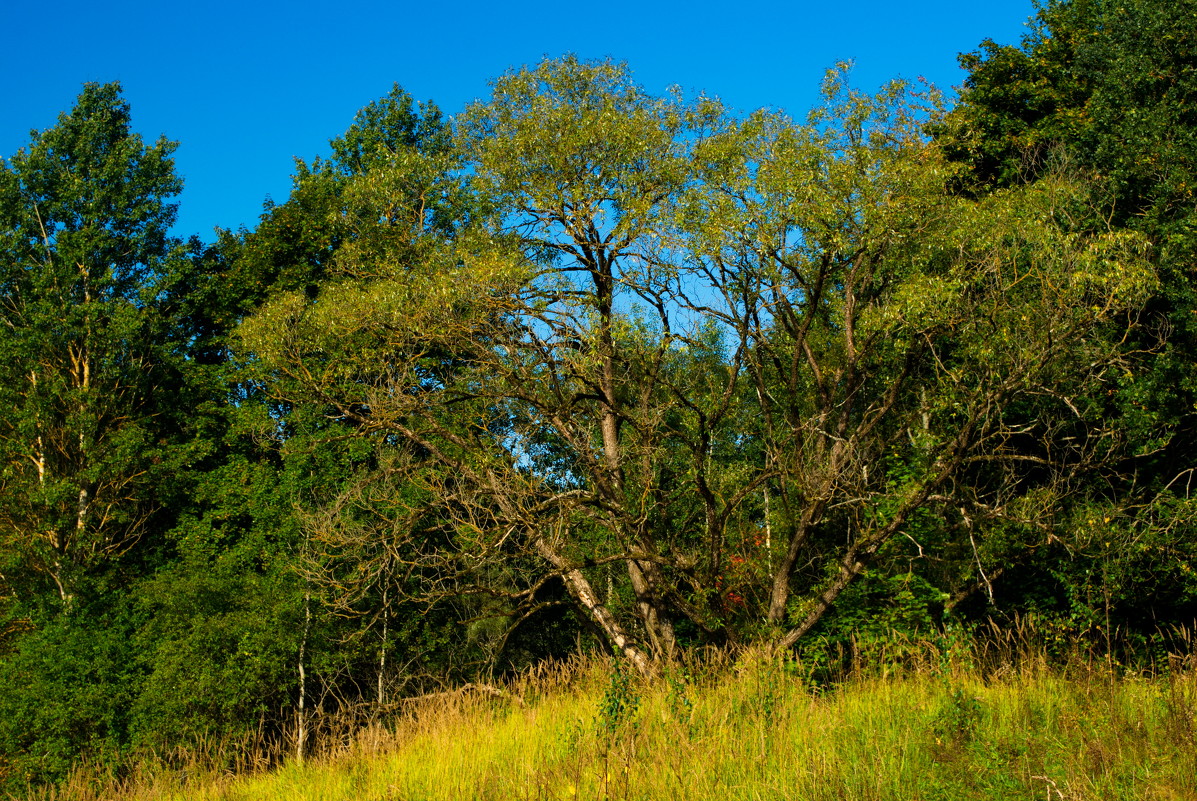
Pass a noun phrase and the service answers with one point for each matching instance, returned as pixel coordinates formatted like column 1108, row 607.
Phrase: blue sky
column 245, row 87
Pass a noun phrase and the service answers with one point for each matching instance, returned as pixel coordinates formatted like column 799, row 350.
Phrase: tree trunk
column 621, row 641
column 382, row 656
column 645, row 576
column 301, row 734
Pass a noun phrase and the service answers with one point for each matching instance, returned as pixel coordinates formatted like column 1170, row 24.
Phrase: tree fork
column 584, row 594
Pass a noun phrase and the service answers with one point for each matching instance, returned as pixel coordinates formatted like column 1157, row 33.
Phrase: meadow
column 924, row 725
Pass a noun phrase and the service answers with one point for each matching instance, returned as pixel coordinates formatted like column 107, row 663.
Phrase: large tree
column 671, row 317
column 379, row 211
column 918, row 359
column 1105, row 91
column 84, row 217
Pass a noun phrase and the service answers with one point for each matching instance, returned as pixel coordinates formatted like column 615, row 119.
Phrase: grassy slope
column 756, row 731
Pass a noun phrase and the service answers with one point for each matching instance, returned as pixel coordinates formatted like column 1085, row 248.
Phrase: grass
column 753, row 728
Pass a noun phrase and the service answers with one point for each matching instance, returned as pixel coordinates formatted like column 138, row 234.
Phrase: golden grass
column 752, row 729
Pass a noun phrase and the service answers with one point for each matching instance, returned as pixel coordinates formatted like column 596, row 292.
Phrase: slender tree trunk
column 301, row 734
column 768, row 529
column 382, row 656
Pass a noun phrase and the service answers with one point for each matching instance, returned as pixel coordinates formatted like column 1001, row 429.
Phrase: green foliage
column 370, row 285
column 1102, row 90
column 84, row 370
column 959, row 717
column 620, row 702
column 881, row 607
column 600, row 361
column 218, row 647
column 879, row 624
column 70, row 685
column 1105, row 85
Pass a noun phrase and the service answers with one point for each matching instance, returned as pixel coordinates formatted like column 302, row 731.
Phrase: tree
column 1103, row 90
column 355, row 226
column 443, row 323
column 672, row 317
column 586, row 167
column 84, row 219
column 916, row 356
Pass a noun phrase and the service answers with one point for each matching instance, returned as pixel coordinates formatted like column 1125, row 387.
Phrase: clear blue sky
column 245, row 87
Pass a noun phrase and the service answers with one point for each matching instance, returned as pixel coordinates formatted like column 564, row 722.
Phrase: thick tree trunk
column 645, row 577
column 780, row 593
column 849, row 570
column 621, row 641
column 646, row 580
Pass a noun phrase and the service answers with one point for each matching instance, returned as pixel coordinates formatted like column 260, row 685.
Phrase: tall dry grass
column 1000, row 722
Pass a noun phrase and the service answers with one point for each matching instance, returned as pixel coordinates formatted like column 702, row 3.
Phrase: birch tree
column 84, row 216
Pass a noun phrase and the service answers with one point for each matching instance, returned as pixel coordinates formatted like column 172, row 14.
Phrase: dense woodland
column 589, row 368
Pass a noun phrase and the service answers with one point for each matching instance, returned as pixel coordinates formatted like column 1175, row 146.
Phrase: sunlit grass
column 752, row 729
